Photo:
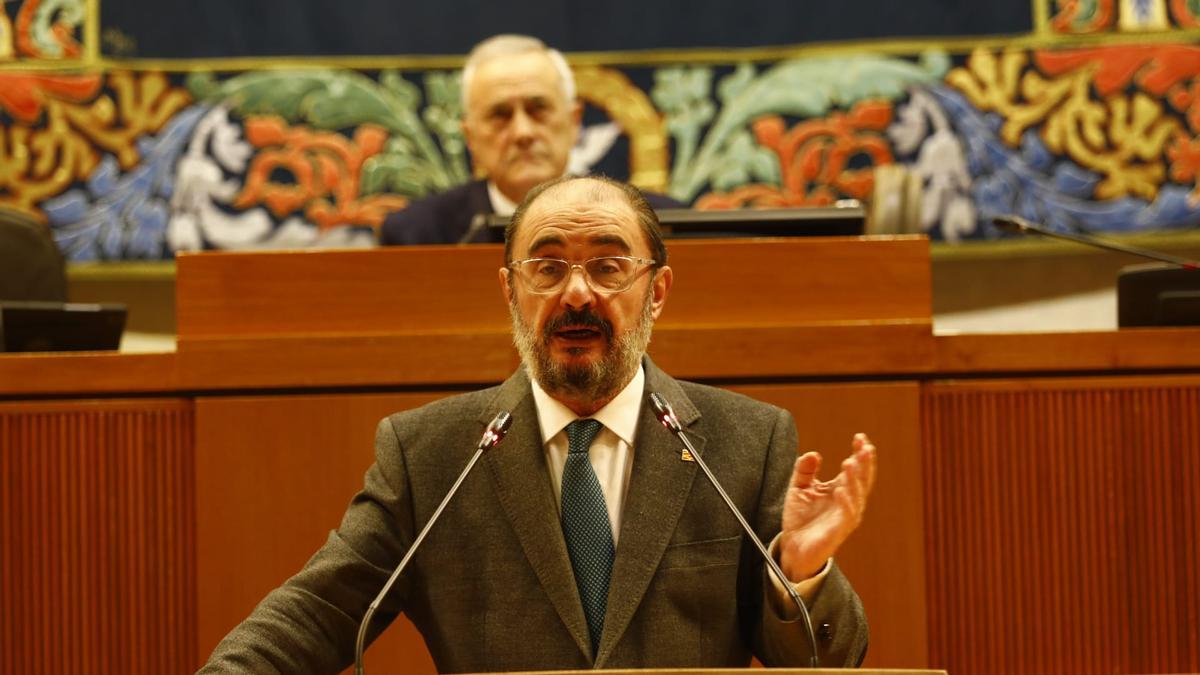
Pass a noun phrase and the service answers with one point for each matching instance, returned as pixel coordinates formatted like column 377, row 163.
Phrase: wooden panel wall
column 274, row 475
column 97, row 522
column 1063, row 525
column 885, row 557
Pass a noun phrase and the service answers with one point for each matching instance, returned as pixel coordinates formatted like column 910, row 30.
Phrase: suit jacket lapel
column 479, row 202
column 658, row 487
column 478, row 198
column 522, row 481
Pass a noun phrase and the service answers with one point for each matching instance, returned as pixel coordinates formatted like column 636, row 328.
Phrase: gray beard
column 600, row 380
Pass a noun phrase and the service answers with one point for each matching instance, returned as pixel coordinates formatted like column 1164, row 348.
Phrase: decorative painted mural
column 128, row 165
column 41, row 29
column 1081, row 17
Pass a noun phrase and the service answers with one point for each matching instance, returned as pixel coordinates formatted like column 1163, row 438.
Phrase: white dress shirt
column 501, row 205
column 611, row 453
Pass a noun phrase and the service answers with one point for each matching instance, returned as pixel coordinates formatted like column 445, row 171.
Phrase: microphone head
column 502, row 422
column 664, row 413
column 496, row 430
column 1011, row 224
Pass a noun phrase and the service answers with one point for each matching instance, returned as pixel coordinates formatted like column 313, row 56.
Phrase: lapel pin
column 686, row 456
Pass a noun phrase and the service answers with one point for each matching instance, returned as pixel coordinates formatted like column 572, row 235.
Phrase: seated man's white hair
column 511, row 45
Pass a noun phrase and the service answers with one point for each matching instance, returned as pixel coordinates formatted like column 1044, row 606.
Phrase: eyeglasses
column 611, row 274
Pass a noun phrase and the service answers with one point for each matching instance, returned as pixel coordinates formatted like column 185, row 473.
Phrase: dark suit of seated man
column 448, row 217
column 520, row 121
column 585, row 539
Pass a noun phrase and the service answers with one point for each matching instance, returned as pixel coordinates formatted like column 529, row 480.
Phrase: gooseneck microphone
column 1017, row 224
column 666, row 415
column 478, row 224
column 496, row 429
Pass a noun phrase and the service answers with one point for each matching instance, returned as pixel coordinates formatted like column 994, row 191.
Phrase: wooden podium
column 762, row 317
column 1036, row 510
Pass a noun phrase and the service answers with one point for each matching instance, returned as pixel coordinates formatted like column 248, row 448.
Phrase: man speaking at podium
column 520, row 121
column 586, row 539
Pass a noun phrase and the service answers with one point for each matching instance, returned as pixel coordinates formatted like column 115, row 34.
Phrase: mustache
column 536, row 150
column 584, row 317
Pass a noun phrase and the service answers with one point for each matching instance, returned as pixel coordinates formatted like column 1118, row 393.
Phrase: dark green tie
column 586, row 527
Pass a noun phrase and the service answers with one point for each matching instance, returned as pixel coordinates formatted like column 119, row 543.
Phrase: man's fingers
column 851, row 504
column 869, row 460
column 858, row 471
column 807, row 466
column 863, row 451
column 852, row 487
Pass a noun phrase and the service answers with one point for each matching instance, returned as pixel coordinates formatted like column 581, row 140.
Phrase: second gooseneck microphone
column 496, row 429
column 666, row 416
column 1012, row 223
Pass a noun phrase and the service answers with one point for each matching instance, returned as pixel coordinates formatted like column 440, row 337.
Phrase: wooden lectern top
column 405, row 289
column 405, row 315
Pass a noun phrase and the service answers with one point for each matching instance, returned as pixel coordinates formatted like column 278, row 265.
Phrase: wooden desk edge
column 1084, row 351
column 877, row 350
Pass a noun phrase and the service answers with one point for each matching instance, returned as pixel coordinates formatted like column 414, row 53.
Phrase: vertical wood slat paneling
column 97, row 536
column 1063, row 526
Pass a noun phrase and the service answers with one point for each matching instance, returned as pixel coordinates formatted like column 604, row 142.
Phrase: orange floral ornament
column 324, row 165
column 814, row 157
column 24, row 95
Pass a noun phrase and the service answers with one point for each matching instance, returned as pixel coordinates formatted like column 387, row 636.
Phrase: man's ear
column 466, row 130
column 505, row 285
column 660, row 289
column 576, row 120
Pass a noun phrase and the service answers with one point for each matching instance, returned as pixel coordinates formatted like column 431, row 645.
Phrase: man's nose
column 522, row 125
column 577, row 293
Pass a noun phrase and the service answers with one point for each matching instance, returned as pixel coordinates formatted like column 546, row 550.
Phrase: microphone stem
column 362, row 627
column 1026, row 226
column 771, row 564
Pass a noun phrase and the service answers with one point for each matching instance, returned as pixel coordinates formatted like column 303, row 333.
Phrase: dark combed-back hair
column 633, row 196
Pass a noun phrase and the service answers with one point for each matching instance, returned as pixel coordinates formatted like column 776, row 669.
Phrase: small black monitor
column 807, row 221
column 60, row 326
column 1158, row 294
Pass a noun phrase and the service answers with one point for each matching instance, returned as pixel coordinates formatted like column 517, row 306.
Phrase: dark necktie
column 586, row 527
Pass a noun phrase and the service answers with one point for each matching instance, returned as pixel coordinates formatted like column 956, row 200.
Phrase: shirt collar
column 501, row 205
column 620, row 415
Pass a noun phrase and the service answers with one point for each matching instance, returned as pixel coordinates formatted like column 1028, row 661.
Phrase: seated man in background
column 585, row 539
column 520, row 121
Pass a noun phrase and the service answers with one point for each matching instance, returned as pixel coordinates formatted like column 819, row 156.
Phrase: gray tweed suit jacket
column 492, row 587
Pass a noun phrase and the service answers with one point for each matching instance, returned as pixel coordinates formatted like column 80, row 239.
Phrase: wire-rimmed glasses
column 607, row 274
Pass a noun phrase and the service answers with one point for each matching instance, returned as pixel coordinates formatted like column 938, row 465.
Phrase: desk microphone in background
column 496, row 429
column 1155, row 294
column 1017, row 224
column 666, row 416
column 478, row 224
